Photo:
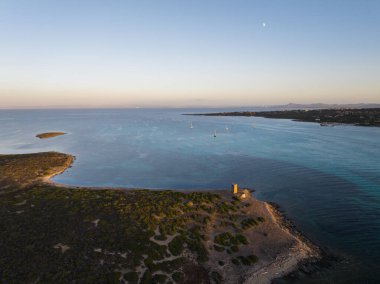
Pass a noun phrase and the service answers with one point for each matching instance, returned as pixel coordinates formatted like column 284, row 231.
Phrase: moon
column 264, row 24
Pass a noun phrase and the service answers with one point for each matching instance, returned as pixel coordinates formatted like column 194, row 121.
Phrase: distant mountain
column 292, row 106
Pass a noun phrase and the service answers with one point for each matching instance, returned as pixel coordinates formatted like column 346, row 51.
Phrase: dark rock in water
column 311, row 266
column 307, row 269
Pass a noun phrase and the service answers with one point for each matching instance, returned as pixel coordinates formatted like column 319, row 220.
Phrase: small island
column 54, row 233
column 47, row 135
column 326, row 117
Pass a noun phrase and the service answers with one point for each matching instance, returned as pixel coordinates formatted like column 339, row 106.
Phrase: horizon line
column 306, row 105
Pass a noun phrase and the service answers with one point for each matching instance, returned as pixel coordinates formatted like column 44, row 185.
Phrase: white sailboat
column 227, row 128
column 191, row 125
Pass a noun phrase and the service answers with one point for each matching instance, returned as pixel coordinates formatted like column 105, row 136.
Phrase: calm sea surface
column 327, row 179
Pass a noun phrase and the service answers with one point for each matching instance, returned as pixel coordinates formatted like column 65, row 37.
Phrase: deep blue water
column 327, row 179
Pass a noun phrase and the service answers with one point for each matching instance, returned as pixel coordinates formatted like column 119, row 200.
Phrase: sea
column 326, row 179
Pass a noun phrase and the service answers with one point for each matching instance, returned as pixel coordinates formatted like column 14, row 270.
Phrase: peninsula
column 54, row 233
column 361, row 117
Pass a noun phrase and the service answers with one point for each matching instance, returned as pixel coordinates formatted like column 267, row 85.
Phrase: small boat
column 214, row 133
column 226, row 128
column 191, row 125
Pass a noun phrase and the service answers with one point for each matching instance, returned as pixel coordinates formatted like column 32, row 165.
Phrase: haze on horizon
column 188, row 53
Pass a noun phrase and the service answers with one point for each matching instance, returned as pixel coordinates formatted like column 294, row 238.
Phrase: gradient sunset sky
column 188, row 53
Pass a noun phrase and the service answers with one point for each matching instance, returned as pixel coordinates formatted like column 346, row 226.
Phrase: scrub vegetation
column 53, row 234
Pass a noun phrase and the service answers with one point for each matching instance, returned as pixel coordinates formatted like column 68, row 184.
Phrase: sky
column 138, row 53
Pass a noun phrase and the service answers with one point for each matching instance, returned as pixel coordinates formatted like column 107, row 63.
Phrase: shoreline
column 317, row 254
column 280, row 260
column 368, row 117
column 303, row 252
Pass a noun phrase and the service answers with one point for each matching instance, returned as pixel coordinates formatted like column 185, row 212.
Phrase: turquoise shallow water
column 325, row 178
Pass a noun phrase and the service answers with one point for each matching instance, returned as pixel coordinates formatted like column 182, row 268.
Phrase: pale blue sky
column 188, row 53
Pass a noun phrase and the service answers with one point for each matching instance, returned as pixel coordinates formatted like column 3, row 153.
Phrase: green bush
column 247, row 223
column 261, row 219
column 159, row 278
column 223, row 239
column 216, row 277
column 244, row 260
column 241, row 239
column 252, row 258
column 198, row 247
column 178, row 277
column 235, row 261
column 218, row 248
column 146, row 278
column 176, row 245
column 131, row 277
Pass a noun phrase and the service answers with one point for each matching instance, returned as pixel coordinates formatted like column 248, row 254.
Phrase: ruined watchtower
column 240, row 193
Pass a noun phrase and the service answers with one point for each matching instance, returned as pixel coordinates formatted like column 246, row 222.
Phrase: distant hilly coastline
column 313, row 106
column 295, row 106
column 326, row 117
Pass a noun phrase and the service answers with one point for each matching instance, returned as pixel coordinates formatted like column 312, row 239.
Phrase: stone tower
column 234, row 188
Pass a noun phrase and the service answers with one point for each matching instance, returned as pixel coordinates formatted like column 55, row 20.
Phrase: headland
column 54, row 233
